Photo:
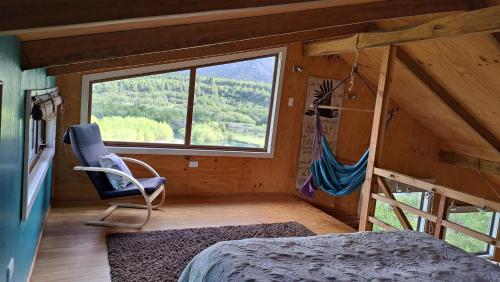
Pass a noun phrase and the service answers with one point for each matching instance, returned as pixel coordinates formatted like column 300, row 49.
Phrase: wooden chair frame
column 101, row 221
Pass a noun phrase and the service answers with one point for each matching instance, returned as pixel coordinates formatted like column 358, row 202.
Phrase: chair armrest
column 113, row 171
column 143, row 164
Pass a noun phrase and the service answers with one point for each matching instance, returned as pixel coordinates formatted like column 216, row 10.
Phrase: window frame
column 38, row 141
column 38, row 159
column 187, row 148
column 424, row 205
column 493, row 228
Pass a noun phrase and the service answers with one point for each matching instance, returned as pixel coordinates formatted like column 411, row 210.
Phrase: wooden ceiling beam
column 448, row 99
column 485, row 166
column 60, row 51
column 480, row 4
column 486, row 20
column 208, row 51
column 18, row 15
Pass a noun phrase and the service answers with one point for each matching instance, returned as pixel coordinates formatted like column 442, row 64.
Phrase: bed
column 363, row 256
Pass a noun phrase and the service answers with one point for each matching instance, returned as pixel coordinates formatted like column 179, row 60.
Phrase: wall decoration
column 330, row 120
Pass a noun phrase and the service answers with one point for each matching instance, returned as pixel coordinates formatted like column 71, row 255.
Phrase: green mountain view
column 231, row 106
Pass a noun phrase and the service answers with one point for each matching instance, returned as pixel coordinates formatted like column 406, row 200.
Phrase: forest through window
column 222, row 105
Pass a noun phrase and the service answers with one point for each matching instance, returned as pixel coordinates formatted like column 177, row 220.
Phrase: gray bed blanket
column 364, row 256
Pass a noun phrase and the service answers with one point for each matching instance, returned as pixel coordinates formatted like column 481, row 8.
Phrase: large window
column 413, row 198
column 37, row 138
column 39, row 141
column 142, row 109
column 476, row 219
column 224, row 105
column 484, row 221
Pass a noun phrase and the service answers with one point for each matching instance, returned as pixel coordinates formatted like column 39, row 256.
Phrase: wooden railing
column 437, row 218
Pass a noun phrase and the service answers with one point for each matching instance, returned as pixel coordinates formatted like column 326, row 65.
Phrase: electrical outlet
column 10, row 270
column 290, row 102
column 193, row 164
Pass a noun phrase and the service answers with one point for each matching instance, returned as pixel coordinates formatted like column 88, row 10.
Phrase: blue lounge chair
column 87, row 145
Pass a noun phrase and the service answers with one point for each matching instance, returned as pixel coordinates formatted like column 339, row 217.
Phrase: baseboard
column 38, row 244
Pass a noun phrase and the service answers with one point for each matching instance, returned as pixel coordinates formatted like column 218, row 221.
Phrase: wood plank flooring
column 71, row 251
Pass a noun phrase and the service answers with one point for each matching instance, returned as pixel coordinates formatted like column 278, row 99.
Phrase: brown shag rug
column 162, row 255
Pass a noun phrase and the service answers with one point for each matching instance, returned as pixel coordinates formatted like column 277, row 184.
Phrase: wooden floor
column 71, row 251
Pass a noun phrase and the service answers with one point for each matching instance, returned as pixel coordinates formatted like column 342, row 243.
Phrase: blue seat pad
column 149, row 184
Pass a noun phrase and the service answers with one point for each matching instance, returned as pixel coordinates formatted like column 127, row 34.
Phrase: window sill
column 189, row 152
column 36, row 177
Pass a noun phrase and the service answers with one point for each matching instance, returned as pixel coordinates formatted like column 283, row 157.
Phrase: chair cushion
column 113, row 161
column 87, row 145
column 149, row 184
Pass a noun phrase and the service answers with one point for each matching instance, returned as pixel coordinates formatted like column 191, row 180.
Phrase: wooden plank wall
column 409, row 148
column 226, row 175
column 413, row 139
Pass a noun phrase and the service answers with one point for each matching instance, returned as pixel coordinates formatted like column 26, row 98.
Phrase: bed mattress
column 363, row 256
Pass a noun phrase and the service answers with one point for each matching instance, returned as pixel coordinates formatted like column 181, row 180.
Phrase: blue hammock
column 333, row 177
column 327, row 173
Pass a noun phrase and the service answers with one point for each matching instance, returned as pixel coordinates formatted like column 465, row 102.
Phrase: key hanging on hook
column 354, row 68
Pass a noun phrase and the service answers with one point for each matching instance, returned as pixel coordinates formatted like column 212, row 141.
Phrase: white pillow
column 113, row 161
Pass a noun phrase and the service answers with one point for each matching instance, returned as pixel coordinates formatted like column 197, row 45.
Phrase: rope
column 355, row 65
column 374, row 93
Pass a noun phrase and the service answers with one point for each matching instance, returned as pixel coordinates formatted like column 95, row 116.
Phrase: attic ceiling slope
column 83, row 48
column 75, row 12
column 177, row 19
column 207, row 51
column 454, row 64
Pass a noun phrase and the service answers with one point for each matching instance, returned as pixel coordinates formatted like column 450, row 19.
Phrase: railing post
column 441, row 214
column 377, row 134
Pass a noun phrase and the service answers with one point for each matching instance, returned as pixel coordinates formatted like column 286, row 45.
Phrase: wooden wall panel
column 414, row 137
column 411, row 143
column 354, row 131
column 229, row 175
column 466, row 65
column 412, row 95
column 467, row 68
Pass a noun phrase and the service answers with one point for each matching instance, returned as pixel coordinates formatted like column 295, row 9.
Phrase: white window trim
column 87, row 79
column 33, row 180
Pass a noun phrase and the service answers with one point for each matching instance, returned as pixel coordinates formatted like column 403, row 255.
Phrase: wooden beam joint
column 478, row 21
column 473, row 163
column 84, row 48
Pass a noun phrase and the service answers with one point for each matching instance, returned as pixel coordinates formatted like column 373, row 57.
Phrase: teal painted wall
column 18, row 239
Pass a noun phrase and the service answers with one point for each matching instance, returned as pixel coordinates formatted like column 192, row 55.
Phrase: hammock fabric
column 327, row 173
